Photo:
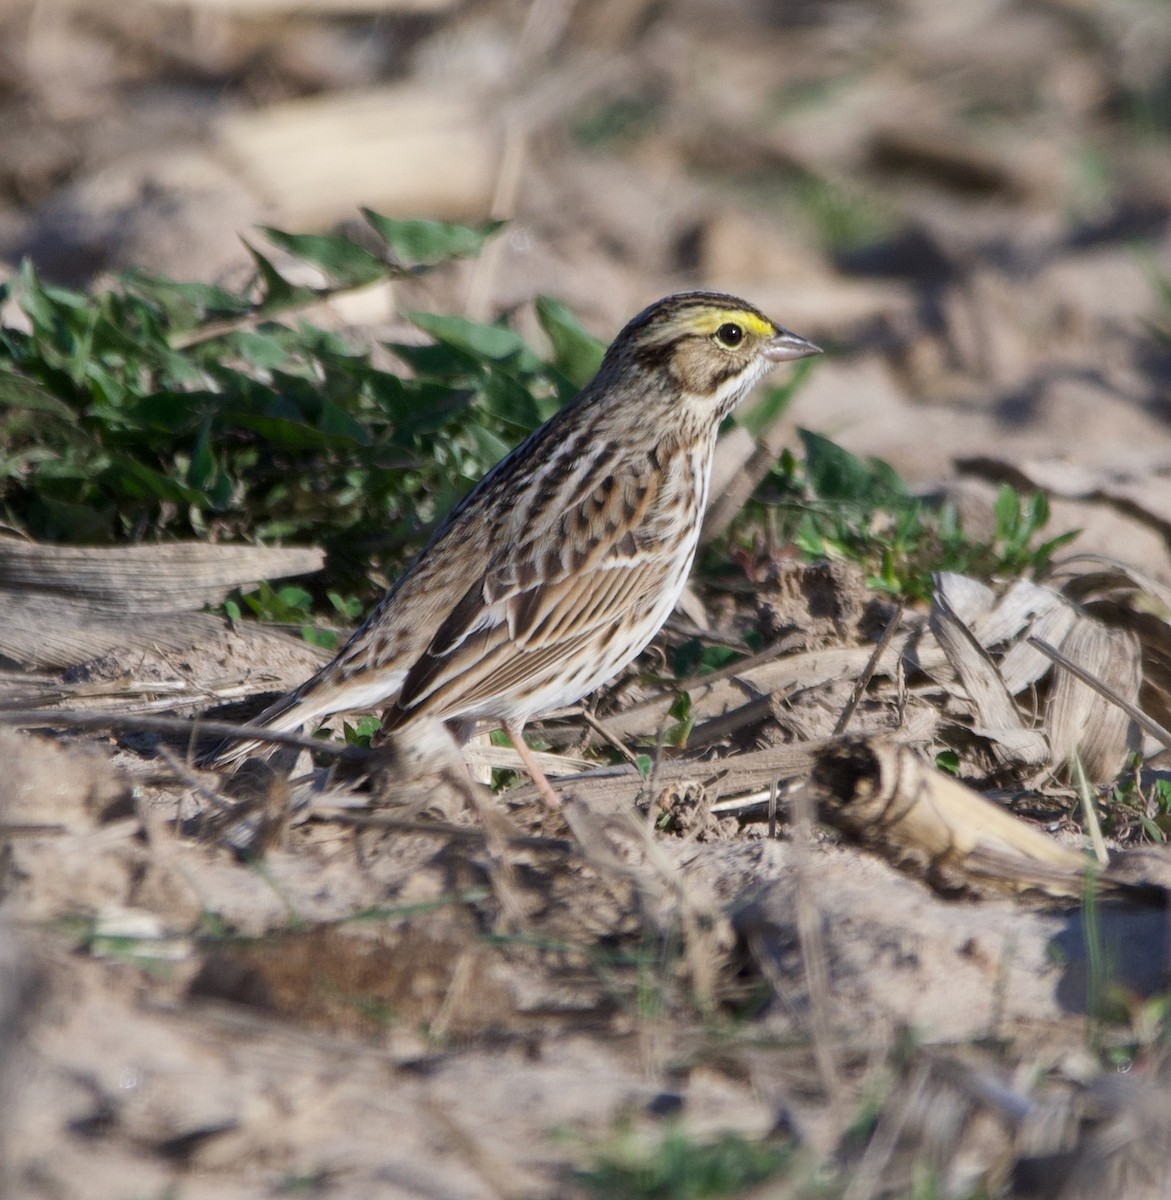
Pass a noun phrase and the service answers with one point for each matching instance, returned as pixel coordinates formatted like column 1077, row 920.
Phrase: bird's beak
column 787, row 347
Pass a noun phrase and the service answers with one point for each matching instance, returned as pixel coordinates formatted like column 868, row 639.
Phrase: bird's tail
column 319, row 696
column 285, row 715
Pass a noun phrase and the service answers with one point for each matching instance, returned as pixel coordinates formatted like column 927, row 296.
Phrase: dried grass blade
column 1080, row 721
column 1159, row 732
column 998, row 717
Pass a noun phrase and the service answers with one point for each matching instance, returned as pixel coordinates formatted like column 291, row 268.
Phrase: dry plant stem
column 760, row 659
column 1159, row 732
column 813, row 955
column 609, row 738
column 258, row 315
column 32, row 718
column 499, row 1175
column 516, row 737
column 868, row 671
column 192, row 780
column 498, row 829
column 33, row 831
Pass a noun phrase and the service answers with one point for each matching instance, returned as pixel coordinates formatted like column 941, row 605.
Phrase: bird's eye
column 729, row 334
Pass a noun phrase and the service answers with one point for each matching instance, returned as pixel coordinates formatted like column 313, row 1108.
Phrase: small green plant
column 293, row 605
column 288, row 605
column 835, row 505
column 157, row 408
column 1131, row 802
column 362, row 731
column 677, row 1166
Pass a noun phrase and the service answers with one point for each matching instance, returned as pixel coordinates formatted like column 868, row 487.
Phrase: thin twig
column 1159, row 732
column 868, row 671
column 760, row 659
column 191, row 779
column 258, row 314
column 781, row 646
column 609, row 738
column 19, row 829
column 885, row 1139
column 36, row 719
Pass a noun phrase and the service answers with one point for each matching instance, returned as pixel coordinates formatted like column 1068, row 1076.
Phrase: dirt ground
column 968, row 205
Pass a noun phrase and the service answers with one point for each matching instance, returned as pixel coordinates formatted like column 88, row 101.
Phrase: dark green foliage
column 157, row 408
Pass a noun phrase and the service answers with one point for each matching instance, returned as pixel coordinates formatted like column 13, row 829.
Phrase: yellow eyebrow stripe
column 709, row 321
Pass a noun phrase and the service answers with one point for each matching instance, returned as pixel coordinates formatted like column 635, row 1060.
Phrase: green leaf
column 19, row 392
column 418, row 243
column 1007, row 510
column 171, row 412
column 491, row 448
column 576, row 353
column 350, row 607
column 418, row 408
column 136, row 479
column 295, row 598
column 714, row 658
column 438, row 361
column 363, row 729
column 185, row 304
column 261, row 348
column 345, row 262
column 333, row 420
column 889, row 484
column 834, row 473
column 292, row 434
column 203, row 464
column 509, row 400
column 494, row 342
column 949, row 761
column 276, row 291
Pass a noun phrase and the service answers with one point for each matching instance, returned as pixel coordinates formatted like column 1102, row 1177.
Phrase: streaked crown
column 712, row 347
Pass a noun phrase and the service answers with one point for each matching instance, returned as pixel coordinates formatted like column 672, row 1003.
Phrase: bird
column 558, row 568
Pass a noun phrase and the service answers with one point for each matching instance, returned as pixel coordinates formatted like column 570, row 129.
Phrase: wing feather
column 490, row 663
column 516, row 623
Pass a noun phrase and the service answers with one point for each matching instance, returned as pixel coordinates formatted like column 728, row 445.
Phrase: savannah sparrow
column 559, row 567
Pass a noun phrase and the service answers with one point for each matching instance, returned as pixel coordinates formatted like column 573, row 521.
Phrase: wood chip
column 889, row 800
column 168, row 577
column 64, row 605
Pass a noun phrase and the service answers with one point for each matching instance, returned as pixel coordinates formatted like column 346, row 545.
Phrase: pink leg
column 516, row 737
